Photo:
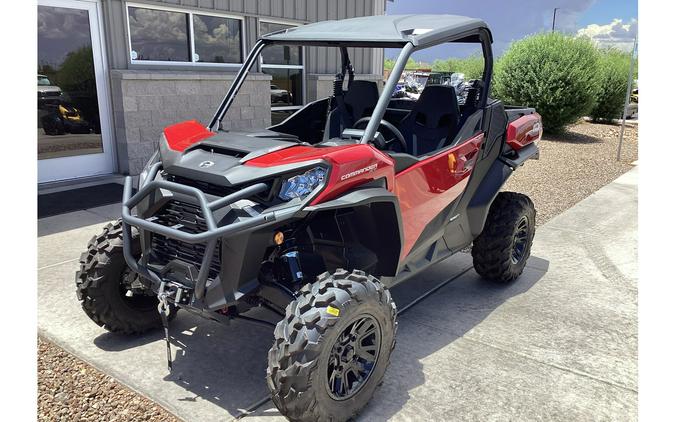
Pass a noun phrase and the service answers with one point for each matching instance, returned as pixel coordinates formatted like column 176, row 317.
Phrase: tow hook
column 163, row 309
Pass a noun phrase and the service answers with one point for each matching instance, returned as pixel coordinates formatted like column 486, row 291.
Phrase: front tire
column 332, row 348
column 105, row 286
column 501, row 251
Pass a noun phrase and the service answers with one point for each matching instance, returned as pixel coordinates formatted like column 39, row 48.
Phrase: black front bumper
column 225, row 292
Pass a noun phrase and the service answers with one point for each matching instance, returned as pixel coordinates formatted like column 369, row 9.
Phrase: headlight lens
column 303, row 184
column 144, row 174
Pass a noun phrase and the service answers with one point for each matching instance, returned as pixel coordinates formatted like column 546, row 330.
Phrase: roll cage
column 477, row 32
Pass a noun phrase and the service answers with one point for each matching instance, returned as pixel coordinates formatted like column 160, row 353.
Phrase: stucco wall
column 146, row 102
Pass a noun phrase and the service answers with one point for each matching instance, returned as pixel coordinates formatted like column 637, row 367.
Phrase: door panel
column 72, row 128
column 426, row 188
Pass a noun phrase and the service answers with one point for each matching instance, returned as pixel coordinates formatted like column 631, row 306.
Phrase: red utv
column 316, row 217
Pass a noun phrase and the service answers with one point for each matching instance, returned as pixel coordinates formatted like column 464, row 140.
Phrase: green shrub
column 552, row 72
column 472, row 66
column 613, row 70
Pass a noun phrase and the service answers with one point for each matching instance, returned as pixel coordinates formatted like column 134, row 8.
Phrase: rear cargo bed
column 516, row 112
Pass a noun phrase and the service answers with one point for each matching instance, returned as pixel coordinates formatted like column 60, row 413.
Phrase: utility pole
column 627, row 100
column 555, row 9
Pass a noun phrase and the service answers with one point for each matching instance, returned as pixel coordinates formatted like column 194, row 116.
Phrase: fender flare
column 487, row 191
column 385, row 205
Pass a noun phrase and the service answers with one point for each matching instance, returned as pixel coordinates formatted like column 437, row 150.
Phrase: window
column 285, row 64
column 158, row 35
column 217, row 39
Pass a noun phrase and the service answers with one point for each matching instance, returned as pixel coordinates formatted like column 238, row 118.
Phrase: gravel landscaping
column 572, row 166
column 71, row 390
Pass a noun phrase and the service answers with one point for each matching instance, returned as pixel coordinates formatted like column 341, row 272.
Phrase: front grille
column 49, row 94
column 188, row 218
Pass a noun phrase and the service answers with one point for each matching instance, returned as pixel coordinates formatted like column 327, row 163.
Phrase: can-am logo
column 370, row 168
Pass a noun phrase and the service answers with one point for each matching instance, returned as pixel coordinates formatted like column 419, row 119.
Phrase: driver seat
column 433, row 120
column 358, row 102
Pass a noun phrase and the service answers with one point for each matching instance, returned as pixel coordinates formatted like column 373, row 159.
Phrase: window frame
column 190, row 34
column 301, row 67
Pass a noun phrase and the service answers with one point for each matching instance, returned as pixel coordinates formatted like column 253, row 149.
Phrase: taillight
column 524, row 131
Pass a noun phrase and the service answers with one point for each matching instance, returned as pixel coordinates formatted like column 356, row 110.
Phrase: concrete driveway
column 559, row 344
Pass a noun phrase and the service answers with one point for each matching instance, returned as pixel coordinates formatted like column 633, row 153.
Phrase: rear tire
column 102, row 283
column 332, row 348
column 501, row 251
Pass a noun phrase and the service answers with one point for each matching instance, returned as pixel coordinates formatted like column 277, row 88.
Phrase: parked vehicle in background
column 632, row 111
column 62, row 117
column 46, row 90
column 278, row 95
column 439, row 78
column 315, row 218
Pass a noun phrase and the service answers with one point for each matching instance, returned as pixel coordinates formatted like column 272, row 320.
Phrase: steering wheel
column 397, row 135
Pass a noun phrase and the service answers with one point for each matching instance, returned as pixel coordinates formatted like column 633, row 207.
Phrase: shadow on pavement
column 222, row 364
column 437, row 322
column 226, row 365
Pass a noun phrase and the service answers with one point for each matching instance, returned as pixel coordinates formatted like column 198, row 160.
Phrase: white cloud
column 616, row 34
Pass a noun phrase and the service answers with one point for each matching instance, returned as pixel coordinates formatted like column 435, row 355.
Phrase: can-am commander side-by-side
column 315, row 218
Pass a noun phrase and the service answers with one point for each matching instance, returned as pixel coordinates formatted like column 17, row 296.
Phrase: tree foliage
column 472, row 66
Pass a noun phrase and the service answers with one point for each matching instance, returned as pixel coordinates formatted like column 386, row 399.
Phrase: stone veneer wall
column 144, row 102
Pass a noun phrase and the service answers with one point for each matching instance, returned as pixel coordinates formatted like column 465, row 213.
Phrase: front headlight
column 303, row 184
column 144, row 174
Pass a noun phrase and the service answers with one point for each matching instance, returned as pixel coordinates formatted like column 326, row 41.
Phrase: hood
column 190, row 150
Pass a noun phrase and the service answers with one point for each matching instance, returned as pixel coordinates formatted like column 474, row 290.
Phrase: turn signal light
column 278, row 238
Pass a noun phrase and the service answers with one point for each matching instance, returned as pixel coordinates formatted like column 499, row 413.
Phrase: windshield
column 43, row 81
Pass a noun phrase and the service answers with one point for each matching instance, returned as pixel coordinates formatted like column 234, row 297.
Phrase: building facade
column 113, row 73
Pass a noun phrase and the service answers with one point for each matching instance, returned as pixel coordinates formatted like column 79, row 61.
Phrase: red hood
column 350, row 165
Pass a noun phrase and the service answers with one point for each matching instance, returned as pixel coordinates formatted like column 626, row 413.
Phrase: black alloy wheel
column 520, row 240
column 353, row 358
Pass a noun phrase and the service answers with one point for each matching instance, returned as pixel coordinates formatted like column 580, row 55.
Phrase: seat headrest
column 435, row 106
column 361, row 98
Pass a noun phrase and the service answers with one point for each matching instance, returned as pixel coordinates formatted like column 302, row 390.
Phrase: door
column 425, row 189
column 73, row 128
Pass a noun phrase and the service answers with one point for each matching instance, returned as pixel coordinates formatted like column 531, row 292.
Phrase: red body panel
column 355, row 165
column 429, row 186
column 523, row 131
column 423, row 189
column 181, row 135
column 351, row 165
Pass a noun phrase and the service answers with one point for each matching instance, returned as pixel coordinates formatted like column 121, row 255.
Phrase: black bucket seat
column 433, row 121
column 359, row 101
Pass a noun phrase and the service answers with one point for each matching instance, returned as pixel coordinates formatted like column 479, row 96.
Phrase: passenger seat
column 433, row 121
column 359, row 101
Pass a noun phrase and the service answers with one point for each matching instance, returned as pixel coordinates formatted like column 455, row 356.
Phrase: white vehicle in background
column 278, row 95
column 46, row 90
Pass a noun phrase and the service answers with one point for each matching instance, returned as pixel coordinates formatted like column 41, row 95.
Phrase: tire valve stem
column 163, row 309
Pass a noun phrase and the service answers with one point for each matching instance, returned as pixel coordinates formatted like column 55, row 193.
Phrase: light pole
column 625, row 104
column 555, row 9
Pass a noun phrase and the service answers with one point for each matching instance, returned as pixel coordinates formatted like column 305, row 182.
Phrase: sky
column 607, row 22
